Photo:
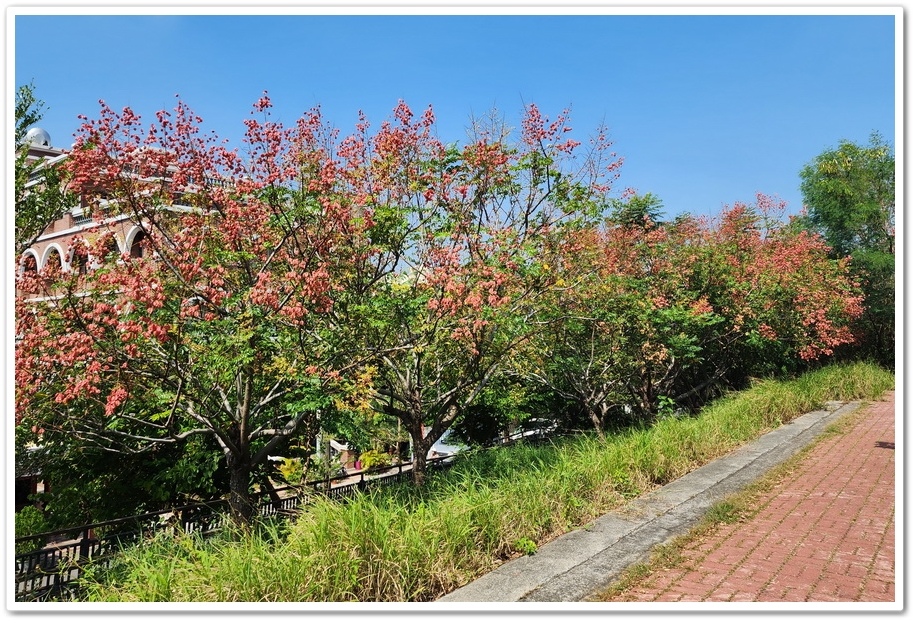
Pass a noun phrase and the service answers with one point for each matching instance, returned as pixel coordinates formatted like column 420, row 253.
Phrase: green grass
column 404, row 544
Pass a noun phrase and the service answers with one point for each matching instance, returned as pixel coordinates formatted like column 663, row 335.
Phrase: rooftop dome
column 39, row 137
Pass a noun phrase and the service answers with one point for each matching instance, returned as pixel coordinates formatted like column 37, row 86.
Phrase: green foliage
column 43, row 200
column 504, row 405
column 849, row 192
column 374, row 458
column 642, row 211
column 30, row 520
column 292, row 469
column 109, row 486
column 525, row 546
column 29, row 110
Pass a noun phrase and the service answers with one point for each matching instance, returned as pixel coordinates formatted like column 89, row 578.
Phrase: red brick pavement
column 825, row 533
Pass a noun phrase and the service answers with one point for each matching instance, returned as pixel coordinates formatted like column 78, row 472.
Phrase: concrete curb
column 579, row 563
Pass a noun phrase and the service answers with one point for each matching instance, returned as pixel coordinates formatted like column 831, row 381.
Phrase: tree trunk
column 241, row 505
column 647, row 395
column 421, row 446
column 598, row 414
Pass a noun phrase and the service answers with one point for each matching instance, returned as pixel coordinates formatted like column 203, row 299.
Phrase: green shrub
column 373, row 458
column 526, row 546
column 292, row 470
column 30, row 520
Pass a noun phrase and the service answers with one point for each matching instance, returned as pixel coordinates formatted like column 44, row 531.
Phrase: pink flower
column 115, row 399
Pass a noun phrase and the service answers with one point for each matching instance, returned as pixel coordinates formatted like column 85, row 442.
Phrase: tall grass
column 405, row 544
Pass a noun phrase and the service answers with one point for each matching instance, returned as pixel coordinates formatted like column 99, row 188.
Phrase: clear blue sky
column 706, row 110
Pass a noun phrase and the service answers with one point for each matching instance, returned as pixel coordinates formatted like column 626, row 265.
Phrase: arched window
column 138, row 246
column 79, row 258
column 28, row 264
column 112, row 251
column 53, row 261
column 28, row 269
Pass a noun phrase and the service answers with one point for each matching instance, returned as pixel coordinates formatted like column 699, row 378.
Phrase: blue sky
column 706, row 110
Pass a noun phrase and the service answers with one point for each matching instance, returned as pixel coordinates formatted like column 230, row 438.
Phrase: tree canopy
column 383, row 271
column 849, row 194
column 647, row 319
column 41, row 194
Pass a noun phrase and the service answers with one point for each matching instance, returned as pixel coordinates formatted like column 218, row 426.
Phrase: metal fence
column 48, row 573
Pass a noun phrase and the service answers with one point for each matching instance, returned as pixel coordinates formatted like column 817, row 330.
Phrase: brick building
column 54, row 245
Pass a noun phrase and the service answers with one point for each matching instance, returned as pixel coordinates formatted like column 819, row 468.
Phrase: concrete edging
column 577, row 564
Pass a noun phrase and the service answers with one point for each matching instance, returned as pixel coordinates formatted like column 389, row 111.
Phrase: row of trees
column 314, row 280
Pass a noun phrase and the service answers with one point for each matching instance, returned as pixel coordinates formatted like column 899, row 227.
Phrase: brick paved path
column 825, row 533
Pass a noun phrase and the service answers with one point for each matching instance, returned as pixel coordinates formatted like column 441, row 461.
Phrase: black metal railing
column 48, row 573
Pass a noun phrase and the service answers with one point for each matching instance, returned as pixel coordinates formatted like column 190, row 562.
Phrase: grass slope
column 403, row 544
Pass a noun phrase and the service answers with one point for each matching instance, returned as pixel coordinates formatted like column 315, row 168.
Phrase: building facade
column 54, row 247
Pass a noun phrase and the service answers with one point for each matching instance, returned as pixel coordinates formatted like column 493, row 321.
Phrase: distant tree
column 642, row 210
column 849, row 196
column 41, row 195
column 850, row 199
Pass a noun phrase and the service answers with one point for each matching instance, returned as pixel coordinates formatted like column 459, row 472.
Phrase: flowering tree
column 625, row 323
column 779, row 286
column 219, row 324
column 651, row 315
column 468, row 230
column 384, row 272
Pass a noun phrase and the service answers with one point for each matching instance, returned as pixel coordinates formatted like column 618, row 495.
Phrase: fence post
column 85, row 545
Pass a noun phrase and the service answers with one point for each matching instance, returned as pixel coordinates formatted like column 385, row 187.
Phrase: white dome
column 39, row 137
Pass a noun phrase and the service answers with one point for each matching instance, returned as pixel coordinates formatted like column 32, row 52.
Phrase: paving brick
column 824, row 534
